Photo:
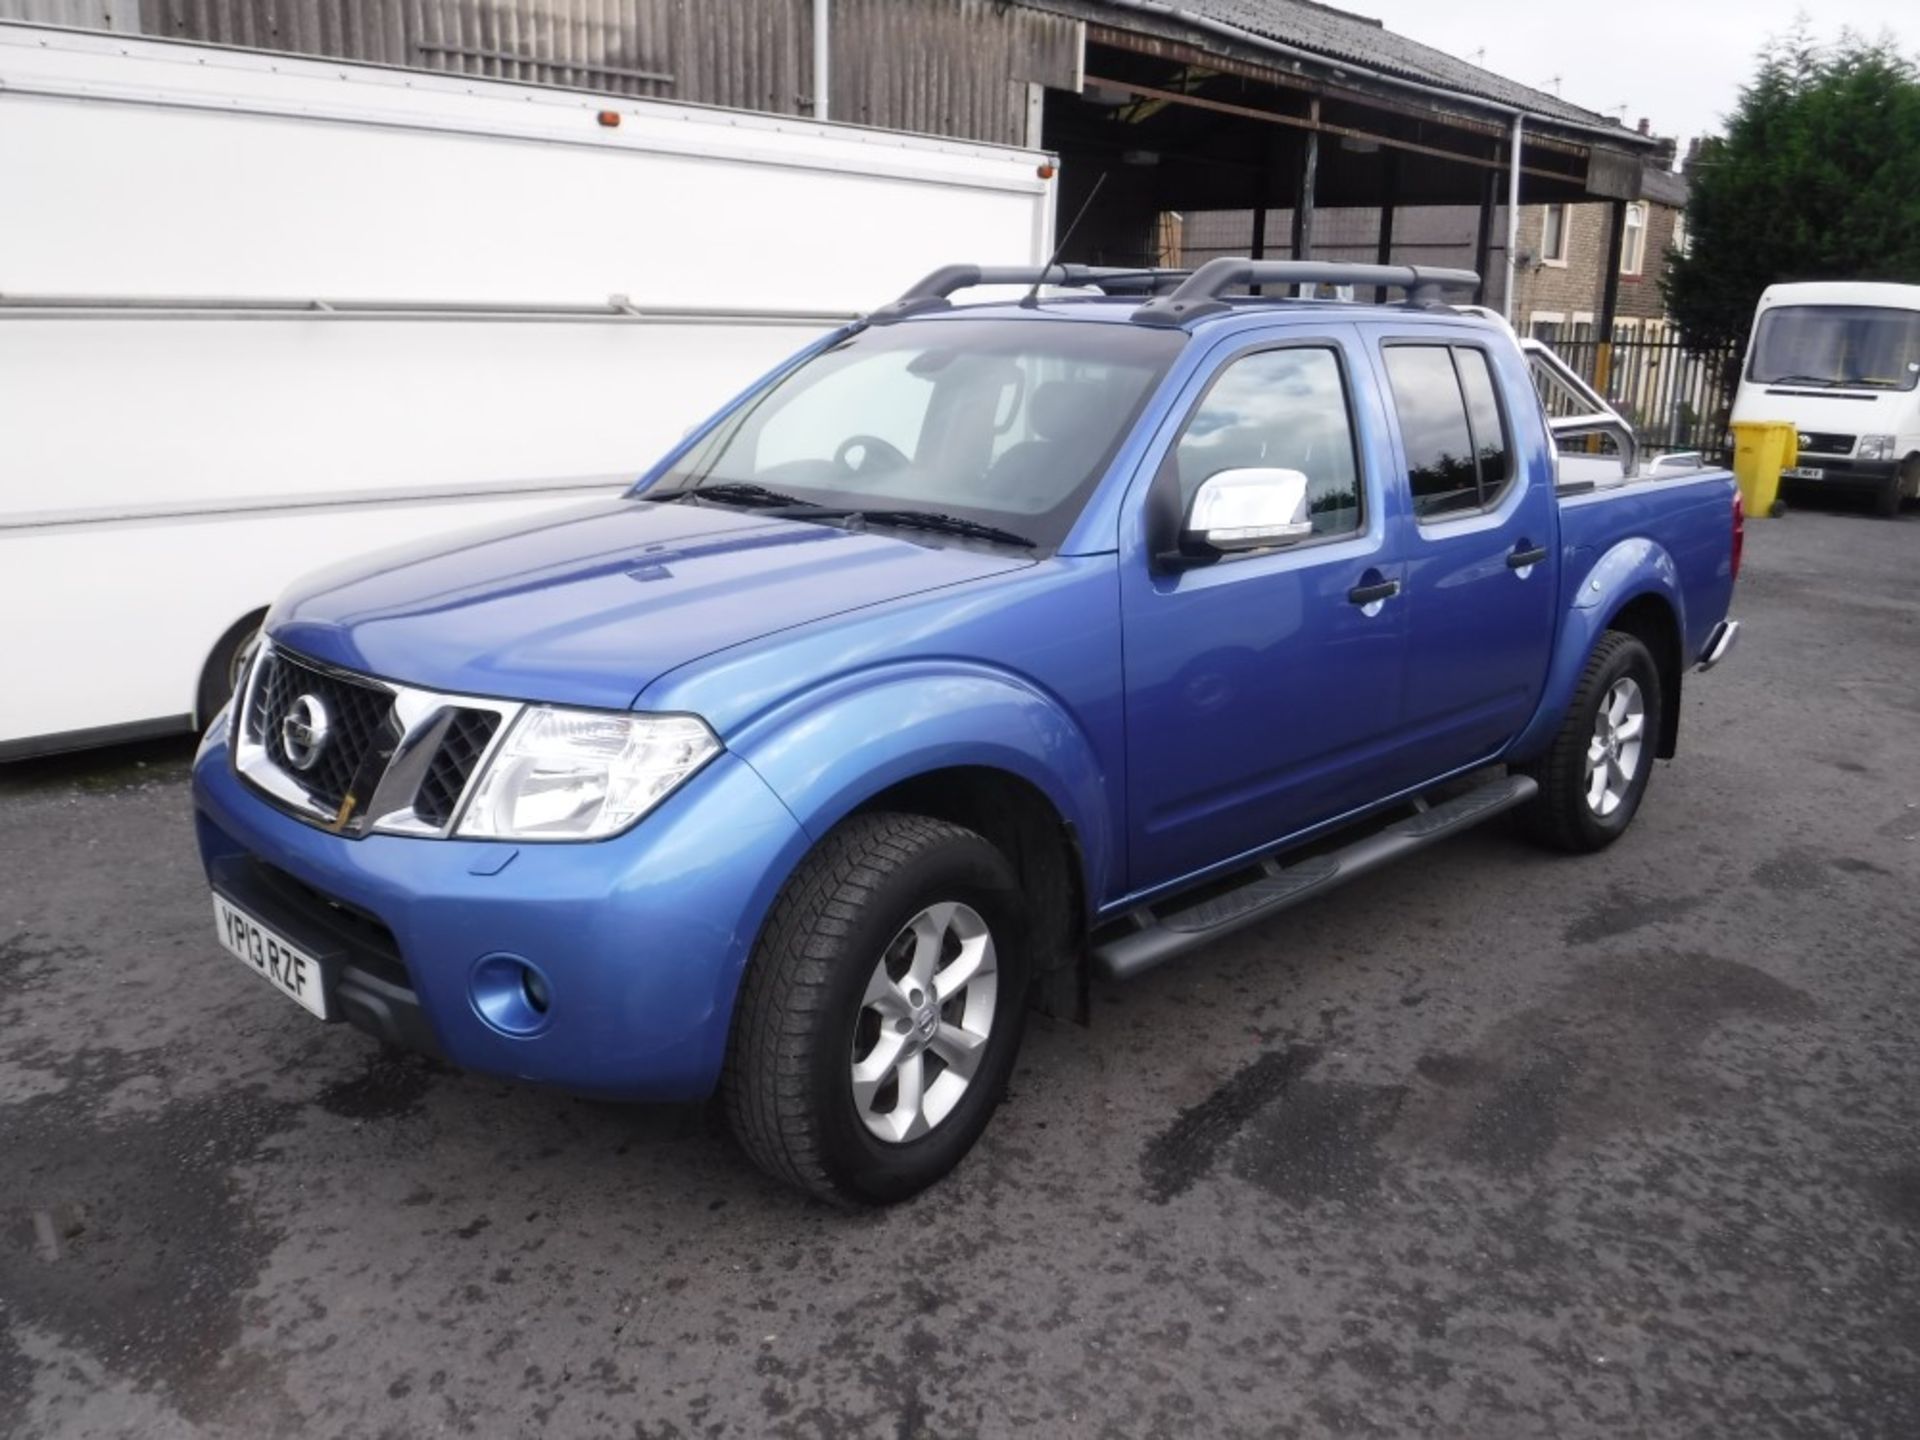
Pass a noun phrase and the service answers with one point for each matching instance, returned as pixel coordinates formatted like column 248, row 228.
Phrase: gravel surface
column 1491, row 1144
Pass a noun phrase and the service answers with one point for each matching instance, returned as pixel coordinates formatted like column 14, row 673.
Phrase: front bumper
column 1840, row 471
column 642, row 938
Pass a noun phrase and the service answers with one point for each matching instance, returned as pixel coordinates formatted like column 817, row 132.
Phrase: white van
column 1840, row 361
column 259, row 314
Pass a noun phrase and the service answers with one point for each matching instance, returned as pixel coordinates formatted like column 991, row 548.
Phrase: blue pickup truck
column 977, row 652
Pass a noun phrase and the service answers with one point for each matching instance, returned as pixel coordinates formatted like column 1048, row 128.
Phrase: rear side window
column 1459, row 456
column 1283, row 408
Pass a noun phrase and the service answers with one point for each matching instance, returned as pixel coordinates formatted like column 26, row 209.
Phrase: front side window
column 1284, row 409
column 1459, row 457
column 1868, row 346
column 1009, row 423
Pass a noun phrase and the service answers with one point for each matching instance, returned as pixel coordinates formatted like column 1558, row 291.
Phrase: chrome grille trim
column 381, row 797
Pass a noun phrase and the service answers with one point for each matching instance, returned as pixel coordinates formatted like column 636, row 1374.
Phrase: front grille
column 1819, row 442
column 359, row 723
column 395, row 758
column 466, row 740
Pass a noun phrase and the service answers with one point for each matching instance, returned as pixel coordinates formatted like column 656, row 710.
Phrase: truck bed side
column 1687, row 519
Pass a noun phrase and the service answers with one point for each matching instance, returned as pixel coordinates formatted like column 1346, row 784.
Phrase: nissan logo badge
column 303, row 734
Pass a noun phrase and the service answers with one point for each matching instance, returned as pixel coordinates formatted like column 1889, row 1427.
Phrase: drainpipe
column 1513, row 213
column 820, row 86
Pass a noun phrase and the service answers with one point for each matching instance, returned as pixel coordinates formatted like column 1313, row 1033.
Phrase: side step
column 1162, row 932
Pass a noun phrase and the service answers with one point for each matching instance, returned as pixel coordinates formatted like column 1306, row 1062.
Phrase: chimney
column 1646, row 126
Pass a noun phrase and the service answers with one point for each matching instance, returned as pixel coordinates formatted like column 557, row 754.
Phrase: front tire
column 1886, row 500
column 1593, row 778
column 880, row 1015
column 1905, row 485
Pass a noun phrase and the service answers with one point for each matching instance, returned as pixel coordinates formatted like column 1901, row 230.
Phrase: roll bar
column 1202, row 292
column 1598, row 418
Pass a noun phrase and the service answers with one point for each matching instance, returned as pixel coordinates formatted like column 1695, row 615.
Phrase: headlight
column 583, row 774
column 1875, row 447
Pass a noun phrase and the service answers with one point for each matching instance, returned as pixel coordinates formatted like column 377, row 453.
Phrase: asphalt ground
column 1492, row 1144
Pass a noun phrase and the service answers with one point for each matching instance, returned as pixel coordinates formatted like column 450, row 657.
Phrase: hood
column 591, row 604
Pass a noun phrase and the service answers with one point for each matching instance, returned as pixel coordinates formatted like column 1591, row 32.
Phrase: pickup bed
column 977, row 651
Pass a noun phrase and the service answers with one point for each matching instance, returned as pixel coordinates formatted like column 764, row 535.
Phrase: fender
column 829, row 749
column 1629, row 570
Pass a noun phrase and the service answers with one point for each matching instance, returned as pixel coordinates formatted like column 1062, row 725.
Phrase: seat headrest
column 1060, row 408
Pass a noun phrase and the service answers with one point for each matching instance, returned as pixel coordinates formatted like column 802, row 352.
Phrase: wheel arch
column 1042, row 845
column 208, row 681
column 1635, row 587
column 1649, row 617
column 969, row 744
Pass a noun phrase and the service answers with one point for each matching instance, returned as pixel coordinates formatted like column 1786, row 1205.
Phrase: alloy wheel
column 924, row 1022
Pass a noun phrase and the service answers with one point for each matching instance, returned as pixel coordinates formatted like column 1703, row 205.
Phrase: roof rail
column 930, row 292
column 1200, row 293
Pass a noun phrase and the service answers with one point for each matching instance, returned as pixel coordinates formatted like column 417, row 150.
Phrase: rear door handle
column 1521, row 559
column 1368, row 594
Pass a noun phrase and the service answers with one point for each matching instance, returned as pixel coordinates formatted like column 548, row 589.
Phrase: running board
column 1164, row 931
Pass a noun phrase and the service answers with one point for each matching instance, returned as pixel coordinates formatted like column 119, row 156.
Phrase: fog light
column 512, row 995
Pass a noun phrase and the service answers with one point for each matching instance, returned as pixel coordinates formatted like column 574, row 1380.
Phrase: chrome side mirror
column 1247, row 509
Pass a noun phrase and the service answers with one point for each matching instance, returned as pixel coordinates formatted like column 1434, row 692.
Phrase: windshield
column 1861, row 345
column 1006, row 423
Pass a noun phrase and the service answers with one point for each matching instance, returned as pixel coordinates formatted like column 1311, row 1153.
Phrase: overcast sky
column 1680, row 63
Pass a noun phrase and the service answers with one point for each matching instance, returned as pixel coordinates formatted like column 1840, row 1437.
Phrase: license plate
column 284, row 965
column 1803, row 472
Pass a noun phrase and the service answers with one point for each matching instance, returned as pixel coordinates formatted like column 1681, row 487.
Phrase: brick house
column 1561, row 265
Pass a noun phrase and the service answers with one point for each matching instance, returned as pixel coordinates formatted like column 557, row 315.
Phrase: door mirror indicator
column 1251, row 508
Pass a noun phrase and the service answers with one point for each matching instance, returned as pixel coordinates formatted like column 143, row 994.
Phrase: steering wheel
column 874, row 453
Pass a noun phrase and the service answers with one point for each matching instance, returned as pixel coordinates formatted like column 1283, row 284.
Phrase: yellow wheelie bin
column 1761, row 450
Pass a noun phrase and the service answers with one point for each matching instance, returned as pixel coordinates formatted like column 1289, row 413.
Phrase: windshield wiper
column 1826, row 380
column 732, row 492
column 929, row 520
column 760, row 497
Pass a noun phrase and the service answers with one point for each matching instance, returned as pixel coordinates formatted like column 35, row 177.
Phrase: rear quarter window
column 1459, row 453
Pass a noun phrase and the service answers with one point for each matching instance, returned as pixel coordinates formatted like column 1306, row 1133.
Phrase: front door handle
column 1371, row 594
column 1520, row 559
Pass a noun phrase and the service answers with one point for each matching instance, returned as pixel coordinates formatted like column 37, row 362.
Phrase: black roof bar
column 931, row 291
column 1200, row 293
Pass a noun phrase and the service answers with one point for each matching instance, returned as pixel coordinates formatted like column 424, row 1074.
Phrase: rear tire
column 221, row 674
column 848, row 1074
column 1593, row 778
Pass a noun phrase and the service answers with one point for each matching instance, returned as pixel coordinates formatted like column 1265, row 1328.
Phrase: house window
column 1545, row 327
column 1555, row 227
column 1682, row 242
column 1633, row 246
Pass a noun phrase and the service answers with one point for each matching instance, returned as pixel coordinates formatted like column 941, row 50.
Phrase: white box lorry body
column 260, row 313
